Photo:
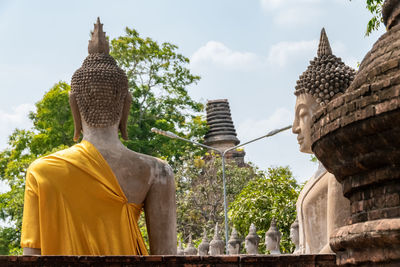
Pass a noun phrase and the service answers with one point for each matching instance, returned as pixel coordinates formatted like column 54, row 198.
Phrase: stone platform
column 192, row 261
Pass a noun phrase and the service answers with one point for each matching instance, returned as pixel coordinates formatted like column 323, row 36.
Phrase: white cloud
column 282, row 53
column 17, row 118
column 297, row 16
column 220, row 55
column 251, row 128
column 273, row 4
column 292, row 13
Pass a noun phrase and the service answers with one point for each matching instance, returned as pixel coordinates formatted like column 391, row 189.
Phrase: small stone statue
column 234, row 243
column 294, row 235
column 180, row 249
column 216, row 245
column 190, row 249
column 204, row 245
column 273, row 238
column 251, row 241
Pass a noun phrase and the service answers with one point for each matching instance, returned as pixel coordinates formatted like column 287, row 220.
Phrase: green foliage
column 52, row 120
column 158, row 80
column 199, row 190
column 375, row 7
column 9, row 243
column 271, row 196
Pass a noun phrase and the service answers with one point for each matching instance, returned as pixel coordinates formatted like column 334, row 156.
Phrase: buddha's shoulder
column 46, row 159
column 161, row 167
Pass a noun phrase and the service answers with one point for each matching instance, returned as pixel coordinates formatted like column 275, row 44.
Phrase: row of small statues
column 217, row 245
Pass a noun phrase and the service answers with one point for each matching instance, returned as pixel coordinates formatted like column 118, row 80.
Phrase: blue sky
column 250, row 52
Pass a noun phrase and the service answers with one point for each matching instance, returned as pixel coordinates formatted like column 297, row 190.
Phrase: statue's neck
column 104, row 138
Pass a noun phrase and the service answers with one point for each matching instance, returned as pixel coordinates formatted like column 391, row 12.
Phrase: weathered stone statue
column 294, row 235
column 204, row 245
column 190, row 249
column 321, row 207
column 357, row 137
column 234, row 243
column 87, row 199
column 251, row 241
column 273, row 239
column 217, row 245
column 180, row 250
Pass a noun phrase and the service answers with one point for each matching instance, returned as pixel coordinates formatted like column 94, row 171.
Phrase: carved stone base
column 368, row 243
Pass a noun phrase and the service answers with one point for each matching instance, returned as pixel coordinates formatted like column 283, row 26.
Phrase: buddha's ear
column 124, row 118
column 76, row 116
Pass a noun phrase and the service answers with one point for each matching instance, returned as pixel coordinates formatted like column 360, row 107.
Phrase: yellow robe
column 74, row 205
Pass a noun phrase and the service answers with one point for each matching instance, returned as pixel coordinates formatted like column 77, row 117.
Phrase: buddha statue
column 216, row 245
column 204, row 245
column 251, row 241
column 87, row 199
column 321, row 206
column 234, row 243
column 294, row 235
column 180, row 251
column 273, row 239
column 190, row 249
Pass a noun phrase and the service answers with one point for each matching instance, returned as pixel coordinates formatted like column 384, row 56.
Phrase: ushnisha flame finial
column 98, row 43
column 324, row 48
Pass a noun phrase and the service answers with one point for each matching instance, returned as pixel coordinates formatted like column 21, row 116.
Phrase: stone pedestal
column 357, row 138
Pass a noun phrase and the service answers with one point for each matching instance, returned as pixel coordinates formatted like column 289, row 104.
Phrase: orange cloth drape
column 74, row 205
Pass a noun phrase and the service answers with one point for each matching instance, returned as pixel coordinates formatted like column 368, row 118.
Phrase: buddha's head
column 294, row 232
column 204, row 245
column 234, row 243
column 252, row 240
column 272, row 237
column 216, row 245
column 325, row 78
column 99, row 89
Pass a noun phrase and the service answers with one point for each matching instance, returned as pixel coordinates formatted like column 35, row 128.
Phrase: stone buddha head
column 325, row 78
column 99, row 94
column 180, row 250
column 204, row 245
column 216, row 245
column 294, row 233
column 190, row 249
column 273, row 238
column 234, row 243
column 251, row 241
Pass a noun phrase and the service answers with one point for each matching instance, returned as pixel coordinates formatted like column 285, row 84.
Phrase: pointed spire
column 324, row 48
column 216, row 232
column 205, row 239
column 98, row 42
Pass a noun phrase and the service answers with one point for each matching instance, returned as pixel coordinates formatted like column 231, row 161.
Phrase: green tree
column 271, row 196
column 199, row 191
column 158, row 80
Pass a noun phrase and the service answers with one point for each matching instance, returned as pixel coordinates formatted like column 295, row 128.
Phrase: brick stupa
column 222, row 133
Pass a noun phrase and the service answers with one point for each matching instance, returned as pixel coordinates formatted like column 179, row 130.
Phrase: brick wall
column 187, row 261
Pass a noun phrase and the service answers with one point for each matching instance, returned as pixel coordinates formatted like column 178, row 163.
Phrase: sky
column 250, row 52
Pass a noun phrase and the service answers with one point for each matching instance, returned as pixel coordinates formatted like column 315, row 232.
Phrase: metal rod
column 174, row 136
column 271, row 133
column 225, row 204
